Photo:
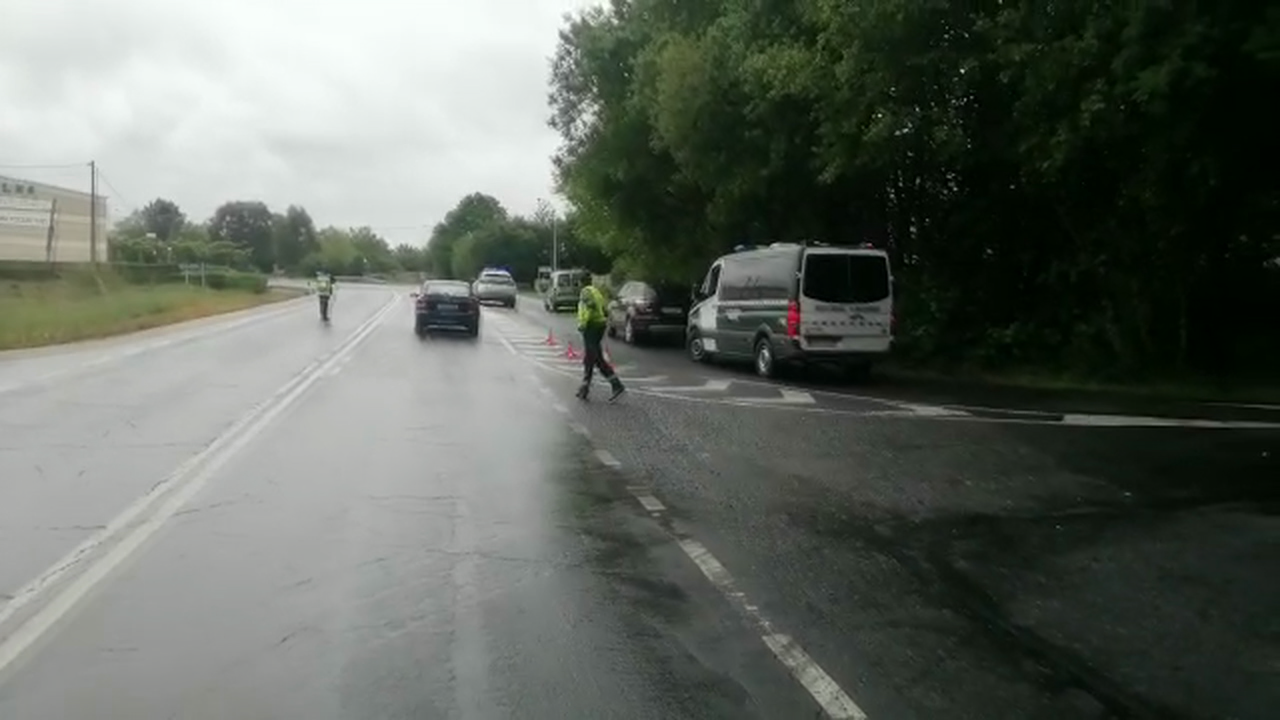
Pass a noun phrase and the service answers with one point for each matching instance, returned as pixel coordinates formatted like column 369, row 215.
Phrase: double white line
column 150, row 512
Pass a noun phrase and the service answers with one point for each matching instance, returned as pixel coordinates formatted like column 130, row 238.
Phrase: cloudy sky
column 366, row 112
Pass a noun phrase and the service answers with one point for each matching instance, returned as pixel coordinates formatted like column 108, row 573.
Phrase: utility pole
column 555, row 242
column 93, row 211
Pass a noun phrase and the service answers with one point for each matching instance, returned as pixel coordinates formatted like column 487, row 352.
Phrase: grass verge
column 35, row 313
column 1193, row 389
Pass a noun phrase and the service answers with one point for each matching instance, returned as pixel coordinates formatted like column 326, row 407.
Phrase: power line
column 119, row 195
column 66, row 166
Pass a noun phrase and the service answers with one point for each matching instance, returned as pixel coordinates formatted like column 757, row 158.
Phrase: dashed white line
column 560, row 407
column 830, row 697
column 607, row 458
column 580, row 429
column 651, row 503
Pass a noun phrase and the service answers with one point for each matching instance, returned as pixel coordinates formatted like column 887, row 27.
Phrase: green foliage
column 1071, row 185
column 249, row 225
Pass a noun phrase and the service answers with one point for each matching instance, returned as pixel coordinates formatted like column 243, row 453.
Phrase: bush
column 236, row 280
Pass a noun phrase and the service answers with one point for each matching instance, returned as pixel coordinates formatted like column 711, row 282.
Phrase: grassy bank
column 1169, row 388
column 81, row 307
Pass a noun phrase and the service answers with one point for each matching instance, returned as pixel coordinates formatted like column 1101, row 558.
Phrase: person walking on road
column 592, row 320
column 324, row 288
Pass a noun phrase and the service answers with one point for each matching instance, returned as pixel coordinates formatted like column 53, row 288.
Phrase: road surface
column 260, row 516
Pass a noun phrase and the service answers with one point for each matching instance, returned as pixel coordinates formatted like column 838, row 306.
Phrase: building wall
column 24, row 223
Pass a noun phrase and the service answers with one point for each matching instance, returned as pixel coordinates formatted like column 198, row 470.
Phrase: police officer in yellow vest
column 592, row 321
column 324, row 288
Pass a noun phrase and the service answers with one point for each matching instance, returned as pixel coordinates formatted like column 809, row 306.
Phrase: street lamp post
column 555, row 234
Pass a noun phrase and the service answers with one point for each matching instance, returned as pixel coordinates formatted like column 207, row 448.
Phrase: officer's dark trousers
column 324, row 307
column 593, row 355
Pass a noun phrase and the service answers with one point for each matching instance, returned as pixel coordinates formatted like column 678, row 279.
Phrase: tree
column 472, row 213
column 163, row 218
column 294, row 236
column 248, row 225
column 1061, row 185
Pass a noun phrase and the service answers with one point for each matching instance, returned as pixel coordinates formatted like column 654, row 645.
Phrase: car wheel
column 697, row 351
column 474, row 331
column 765, row 365
column 629, row 333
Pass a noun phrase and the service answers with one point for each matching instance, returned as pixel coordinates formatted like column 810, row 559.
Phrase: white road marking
column 788, row 397
column 1250, row 406
column 176, row 490
column 651, row 503
column 830, row 697
column 607, row 458
column 580, row 429
column 708, row 386
column 1138, row 421
column 560, row 407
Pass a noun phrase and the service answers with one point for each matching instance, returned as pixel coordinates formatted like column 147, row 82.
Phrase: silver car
column 497, row 287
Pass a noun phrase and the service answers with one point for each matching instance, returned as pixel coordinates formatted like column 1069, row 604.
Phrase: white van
column 792, row 305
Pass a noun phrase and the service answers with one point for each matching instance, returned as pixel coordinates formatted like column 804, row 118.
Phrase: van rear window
column 841, row 278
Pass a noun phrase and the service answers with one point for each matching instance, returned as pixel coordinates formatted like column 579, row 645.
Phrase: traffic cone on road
column 570, row 353
column 551, row 338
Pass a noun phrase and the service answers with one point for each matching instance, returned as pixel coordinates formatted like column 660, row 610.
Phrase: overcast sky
column 368, row 112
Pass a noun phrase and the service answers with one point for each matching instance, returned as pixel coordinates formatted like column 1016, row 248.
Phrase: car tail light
column 793, row 319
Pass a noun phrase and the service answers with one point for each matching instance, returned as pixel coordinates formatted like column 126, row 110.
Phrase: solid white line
column 1139, row 421
column 607, row 458
column 651, row 503
column 178, row 487
column 830, row 697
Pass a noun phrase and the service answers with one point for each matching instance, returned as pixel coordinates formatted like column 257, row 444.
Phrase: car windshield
column 451, row 289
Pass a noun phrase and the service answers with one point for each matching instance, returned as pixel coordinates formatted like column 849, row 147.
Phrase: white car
column 496, row 286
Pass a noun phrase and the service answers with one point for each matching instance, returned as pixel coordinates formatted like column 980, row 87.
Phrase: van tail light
column 793, row 319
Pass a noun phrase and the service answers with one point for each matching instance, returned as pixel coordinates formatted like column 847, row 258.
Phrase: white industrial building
column 46, row 223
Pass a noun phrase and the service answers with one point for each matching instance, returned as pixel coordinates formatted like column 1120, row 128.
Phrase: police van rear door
column 846, row 300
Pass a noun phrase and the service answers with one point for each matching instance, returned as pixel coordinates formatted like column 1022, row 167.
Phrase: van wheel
column 765, row 366
column 697, row 351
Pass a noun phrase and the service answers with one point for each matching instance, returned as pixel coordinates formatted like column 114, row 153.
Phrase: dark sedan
column 642, row 311
column 446, row 305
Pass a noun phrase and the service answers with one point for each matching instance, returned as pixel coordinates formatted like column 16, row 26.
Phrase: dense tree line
column 247, row 235
column 479, row 232
column 1086, row 185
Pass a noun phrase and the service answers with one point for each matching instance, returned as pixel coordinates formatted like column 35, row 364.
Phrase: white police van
column 794, row 305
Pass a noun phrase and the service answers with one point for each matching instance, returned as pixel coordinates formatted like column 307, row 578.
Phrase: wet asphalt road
column 263, row 517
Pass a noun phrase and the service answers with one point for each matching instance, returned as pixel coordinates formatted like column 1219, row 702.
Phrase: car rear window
column 497, row 279
column 667, row 293
column 452, row 289
column 846, row 278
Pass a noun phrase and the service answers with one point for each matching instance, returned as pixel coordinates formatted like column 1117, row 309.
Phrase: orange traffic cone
column 570, row 353
column 551, row 338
